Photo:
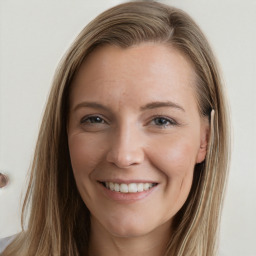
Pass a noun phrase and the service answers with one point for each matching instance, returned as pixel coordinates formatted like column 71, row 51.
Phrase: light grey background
column 35, row 34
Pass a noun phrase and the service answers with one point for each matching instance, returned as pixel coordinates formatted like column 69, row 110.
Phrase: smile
column 128, row 188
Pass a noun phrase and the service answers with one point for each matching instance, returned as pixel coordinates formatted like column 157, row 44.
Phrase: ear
column 204, row 139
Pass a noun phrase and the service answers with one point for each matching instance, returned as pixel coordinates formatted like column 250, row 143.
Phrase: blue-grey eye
column 93, row 120
column 161, row 121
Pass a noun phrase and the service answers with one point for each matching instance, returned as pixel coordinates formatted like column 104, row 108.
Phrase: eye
column 163, row 122
column 93, row 120
column 94, row 123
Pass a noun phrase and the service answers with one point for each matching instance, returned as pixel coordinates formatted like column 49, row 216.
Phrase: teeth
column 117, row 187
column 140, row 187
column 146, row 186
column 112, row 186
column 128, row 188
column 123, row 188
column 133, row 188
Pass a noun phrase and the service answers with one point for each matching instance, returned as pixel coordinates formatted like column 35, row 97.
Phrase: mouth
column 128, row 187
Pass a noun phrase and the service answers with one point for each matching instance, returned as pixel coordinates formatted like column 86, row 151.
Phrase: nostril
column 3, row 180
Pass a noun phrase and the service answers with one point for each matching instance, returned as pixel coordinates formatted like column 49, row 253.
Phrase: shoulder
column 4, row 242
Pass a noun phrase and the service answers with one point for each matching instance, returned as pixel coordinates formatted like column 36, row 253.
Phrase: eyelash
column 85, row 119
column 167, row 121
column 170, row 121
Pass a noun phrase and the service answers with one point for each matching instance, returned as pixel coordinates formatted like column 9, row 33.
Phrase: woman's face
column 135, row 135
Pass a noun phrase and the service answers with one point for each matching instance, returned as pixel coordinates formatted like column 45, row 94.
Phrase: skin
column 129, row 138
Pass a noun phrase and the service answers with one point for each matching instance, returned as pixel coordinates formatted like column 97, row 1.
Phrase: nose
column 126, row 148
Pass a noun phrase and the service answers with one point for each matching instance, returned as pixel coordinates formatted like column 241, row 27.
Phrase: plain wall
column 33, row 37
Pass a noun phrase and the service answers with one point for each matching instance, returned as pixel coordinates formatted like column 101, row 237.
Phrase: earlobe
column 201, row 154
column 203, row 141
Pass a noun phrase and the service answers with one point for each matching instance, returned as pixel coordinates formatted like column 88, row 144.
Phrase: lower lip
column 126, row 197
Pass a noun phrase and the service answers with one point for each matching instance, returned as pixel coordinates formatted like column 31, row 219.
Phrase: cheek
column 174, row 157
column 85, row 154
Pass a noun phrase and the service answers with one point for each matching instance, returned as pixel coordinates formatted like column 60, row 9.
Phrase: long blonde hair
column 59, row 222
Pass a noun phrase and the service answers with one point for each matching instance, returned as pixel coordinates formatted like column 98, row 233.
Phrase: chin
column 129, row 227
column 128, row 232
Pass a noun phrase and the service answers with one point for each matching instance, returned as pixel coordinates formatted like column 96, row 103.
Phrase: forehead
column 150, row 71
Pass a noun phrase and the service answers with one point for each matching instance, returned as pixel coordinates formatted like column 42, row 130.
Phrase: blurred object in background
column 3, row 180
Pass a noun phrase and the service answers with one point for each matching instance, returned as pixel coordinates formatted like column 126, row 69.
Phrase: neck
column 103, row 243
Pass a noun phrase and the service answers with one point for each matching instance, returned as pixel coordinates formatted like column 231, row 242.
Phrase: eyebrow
column 151, row 105
column 90, row 105
column 160, row 104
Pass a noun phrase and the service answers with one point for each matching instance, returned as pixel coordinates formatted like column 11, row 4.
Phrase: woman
column 133, row 148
